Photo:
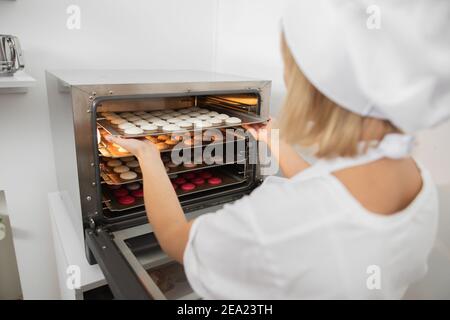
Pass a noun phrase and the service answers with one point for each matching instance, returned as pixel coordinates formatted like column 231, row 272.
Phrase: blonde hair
column 310, row 119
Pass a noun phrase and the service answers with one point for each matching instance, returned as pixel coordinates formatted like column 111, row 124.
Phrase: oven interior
column 227, row 158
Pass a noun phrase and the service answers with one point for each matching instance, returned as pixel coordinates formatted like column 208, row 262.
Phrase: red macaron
column 126, row 200
column 179, row 180
column 188, row 186
column 205, row 175
column 214, row 181
column 189, row 175
column 120, row 192
column 198, row 181
column 139, row 193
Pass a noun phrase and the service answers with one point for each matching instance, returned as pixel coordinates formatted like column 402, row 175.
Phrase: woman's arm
column 288, row 158
column 164, row 211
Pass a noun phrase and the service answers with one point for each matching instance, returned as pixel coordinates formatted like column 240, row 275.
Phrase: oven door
column 135, row 267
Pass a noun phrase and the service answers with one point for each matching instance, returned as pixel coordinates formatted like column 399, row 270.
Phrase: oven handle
column 122, row 280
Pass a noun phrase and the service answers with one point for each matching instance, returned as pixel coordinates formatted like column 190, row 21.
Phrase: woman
column 358, row 223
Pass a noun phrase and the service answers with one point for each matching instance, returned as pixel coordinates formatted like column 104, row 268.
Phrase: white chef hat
column 399, row 71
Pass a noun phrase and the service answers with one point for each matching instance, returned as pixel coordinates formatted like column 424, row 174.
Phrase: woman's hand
column 260, row 132
column 140, row 148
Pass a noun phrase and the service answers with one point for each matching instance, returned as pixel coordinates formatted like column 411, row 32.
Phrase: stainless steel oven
column 106, row 207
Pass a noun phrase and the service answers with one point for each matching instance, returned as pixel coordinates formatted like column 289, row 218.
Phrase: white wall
column 247, row 42
column 114, row 34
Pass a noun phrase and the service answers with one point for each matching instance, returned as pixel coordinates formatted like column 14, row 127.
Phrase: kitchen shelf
column 19, row 82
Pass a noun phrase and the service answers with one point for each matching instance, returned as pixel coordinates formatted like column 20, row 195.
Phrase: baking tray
column 228, row 179
column 111, row 178
column 246, row 118
column 109, row 150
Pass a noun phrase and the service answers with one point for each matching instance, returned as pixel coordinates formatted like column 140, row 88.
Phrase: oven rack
column 247, row 119
column 111, row 178
column 107, row 150
column 228, row 179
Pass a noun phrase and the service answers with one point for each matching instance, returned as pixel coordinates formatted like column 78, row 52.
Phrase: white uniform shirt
column 308, row 238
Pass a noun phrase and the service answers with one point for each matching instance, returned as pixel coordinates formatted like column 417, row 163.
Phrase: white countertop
column 72, row 248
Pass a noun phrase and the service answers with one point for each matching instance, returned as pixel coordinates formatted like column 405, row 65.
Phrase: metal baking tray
column 111, row 178
column 246, row 118
column 228, row 179
column 107, row 149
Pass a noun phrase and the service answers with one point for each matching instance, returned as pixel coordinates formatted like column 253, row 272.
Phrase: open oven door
column 135, row 267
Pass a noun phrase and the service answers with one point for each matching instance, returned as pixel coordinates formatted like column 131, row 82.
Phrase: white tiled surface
column 436, row 284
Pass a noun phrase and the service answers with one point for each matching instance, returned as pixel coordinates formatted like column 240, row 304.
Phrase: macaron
column 215, row 121
column 166, row 116
column 133, row 118
column 134, row 130
column 205, row 174
column 188, row 186
column 171, row 128
column 114, row 163
column 126, row 200
column 149, row 127
column 118, row 121
column 198, row 181
column 233, row 120
column 132, row 164
column 189, row 175
column 173, row 120
column 126, row 125
column 121, row 169
column 139, row 193
column 203, row 117
column 120, row 192
column 202, row 111
column 162, row 146
column 179, row 180
column 133, row 186
column 184, row 124
column 163, row 137
column 141, row 122
column 214, row 181
column 222, row 116
column 160, row 123
column 129, row 175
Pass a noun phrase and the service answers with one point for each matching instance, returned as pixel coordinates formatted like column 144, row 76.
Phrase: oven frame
column 89, row 178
